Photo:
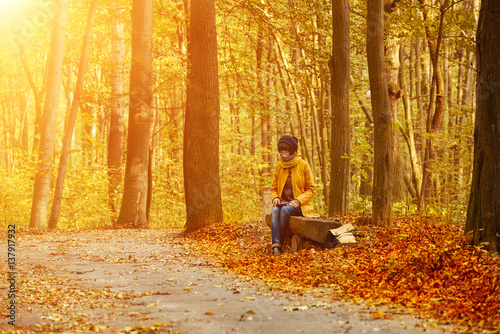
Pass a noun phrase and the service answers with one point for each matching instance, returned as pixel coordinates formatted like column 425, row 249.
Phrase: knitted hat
column 288, row 143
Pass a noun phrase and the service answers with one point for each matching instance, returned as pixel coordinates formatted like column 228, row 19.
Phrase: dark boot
column 277, row 251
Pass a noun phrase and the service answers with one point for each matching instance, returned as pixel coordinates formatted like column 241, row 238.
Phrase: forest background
column 274, row 79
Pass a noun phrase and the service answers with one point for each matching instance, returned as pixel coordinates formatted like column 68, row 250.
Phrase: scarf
column 290, row 163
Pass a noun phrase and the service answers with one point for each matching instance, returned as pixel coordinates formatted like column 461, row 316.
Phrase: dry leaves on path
column 422, row 264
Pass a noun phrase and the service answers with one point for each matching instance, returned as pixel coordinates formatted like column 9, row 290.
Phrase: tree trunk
column 133, row 208
column 201, row 130
column 38, row 94
column 323, row 134
column 116, row 121
column 434, row 120
column 67, row 88
column 311, row 95
column 419, row 97
column 23, row 136
column 457, row 148
column 270, row 76
column 264, row 112
column 483, row 213
column 395, row 93
column 154, row 129
column 446, row 156
column 340, row 141
column 253, row 134
column 48, row 126
column 446, row 84
column 70, row 124
column 89, row 111
column 408, row 133
column 383, row 135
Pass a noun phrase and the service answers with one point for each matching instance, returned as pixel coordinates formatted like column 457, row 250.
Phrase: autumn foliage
column 421, row 264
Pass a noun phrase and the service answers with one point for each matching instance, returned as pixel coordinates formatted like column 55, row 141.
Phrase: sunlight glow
column 8, row 6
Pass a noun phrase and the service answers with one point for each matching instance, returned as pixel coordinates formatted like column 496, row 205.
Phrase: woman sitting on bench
column 292, row 190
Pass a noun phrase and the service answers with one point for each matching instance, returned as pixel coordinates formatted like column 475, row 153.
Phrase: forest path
column 145, row 281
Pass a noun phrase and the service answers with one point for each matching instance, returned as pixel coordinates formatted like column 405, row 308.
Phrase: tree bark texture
column 323, row 134
column 383, row 133
column 419, row 92
column 116, row 122
column 409, row 135
column 133, row 208
column 201, row 129
column 70, row 124
column 340, row 131
column 395, row 93
column 483, row 213
column 48, row 126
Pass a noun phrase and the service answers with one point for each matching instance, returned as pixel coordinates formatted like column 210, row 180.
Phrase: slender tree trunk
column 48, row 126
column 269, row 122
column 154, row 129
column 86, row 143
column 67, row 89
column 9, row 126
column 23, row 139
column 434, row 120
column 446, row 84
column 467, row 87
column 340, row 141
column 70, row 124
column 5, row 140
column 4, row 144
column 201, row 130
column 383, row 135
column 419, row 92
column 446, row 154
column 460, row 76
column 311, row 95
column 38, row 94
column 483, row 213
column 458, row 119
column 175, row 117
column 134, row 202
column 323, row 134
column 116, row 121
column 253, row 134
column 408, row 134
column 264, row 112
column 286, row 93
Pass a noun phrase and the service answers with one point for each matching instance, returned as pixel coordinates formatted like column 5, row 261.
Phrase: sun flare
column 8, row 6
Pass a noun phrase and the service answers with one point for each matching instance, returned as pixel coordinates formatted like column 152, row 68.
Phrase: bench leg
column 297, row 242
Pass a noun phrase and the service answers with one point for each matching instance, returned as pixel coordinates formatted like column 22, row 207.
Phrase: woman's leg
column 275, row 227
column 279, row 223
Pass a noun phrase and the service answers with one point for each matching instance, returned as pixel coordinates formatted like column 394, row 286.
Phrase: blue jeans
column 280, row 218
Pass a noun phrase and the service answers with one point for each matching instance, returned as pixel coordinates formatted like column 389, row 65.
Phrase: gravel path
column 144, row 282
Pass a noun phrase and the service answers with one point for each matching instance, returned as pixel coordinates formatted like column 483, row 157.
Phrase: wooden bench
column 314, row 229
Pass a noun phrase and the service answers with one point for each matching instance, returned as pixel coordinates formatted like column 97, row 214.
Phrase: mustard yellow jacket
column 302, row 183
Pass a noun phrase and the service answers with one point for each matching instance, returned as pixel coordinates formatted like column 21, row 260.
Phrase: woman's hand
column 295, row 203
column 276, row 200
